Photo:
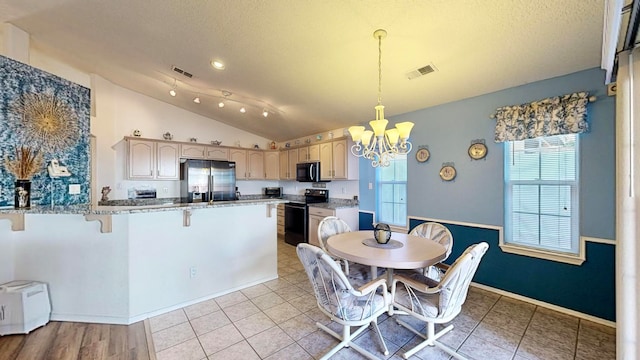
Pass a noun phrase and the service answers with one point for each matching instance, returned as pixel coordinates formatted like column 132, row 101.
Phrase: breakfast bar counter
column 153, row 259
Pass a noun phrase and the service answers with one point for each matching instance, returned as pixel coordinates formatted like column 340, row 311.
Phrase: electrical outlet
column 165, row 190
column 370, row 186
column 344, row 190
column 193, row 271
column 74, row 189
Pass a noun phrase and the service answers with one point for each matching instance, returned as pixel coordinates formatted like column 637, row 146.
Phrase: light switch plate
column 74, row 189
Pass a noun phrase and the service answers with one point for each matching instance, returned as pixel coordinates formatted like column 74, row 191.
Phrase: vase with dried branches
column 27, row 162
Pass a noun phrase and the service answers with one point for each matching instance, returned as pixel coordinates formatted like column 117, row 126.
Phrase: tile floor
column 276, row 320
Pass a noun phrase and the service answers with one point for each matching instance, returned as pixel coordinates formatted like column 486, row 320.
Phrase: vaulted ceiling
column 313, row 65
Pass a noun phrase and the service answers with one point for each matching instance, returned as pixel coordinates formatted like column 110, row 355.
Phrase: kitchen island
column 152, row 259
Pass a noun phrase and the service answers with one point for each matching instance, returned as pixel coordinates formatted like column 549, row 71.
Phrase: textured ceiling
column 313, row 64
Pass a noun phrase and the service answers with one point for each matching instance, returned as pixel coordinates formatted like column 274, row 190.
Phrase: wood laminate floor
column 68, row 340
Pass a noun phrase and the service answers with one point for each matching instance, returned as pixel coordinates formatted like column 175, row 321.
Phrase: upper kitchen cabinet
column 288, row 161
column 337, row 162
column 255, row 162
column 239, row 156
column 271, row 165
column 216, row 153
column 249, row 163
column 192, row 151
column 152, row 160
column 309, row 153
column 345, row 164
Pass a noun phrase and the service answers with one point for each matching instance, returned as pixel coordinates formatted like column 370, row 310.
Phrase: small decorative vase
column 382, row 233
column 22, row 197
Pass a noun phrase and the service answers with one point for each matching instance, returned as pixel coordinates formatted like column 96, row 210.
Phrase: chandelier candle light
column 384, row 146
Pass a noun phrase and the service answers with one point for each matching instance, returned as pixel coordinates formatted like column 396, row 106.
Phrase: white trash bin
column 24, row 306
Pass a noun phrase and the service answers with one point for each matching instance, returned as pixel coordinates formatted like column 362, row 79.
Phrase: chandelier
column 380, row 145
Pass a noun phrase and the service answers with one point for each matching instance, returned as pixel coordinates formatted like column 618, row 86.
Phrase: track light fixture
column 196, row 99
column 172, row 92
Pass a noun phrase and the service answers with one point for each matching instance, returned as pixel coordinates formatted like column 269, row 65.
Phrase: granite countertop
column 131, row 209
column 129, row 206
column 334, row 205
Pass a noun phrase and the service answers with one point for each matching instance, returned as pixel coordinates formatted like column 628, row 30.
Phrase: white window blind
column 391, row 192
column 541, row 193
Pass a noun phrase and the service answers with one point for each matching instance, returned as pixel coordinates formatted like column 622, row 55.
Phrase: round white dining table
column 416, row 252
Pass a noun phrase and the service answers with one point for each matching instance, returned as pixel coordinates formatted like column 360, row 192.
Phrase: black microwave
column 308, row 171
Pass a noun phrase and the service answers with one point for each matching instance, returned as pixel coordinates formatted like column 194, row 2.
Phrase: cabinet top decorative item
column 167, row 136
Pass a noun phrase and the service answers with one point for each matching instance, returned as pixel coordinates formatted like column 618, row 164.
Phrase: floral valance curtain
column 565, row 114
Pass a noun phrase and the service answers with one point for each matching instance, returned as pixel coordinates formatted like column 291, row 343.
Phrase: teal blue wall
column 476, row 195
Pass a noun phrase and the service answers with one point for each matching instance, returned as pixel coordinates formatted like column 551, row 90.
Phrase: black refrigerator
column 207, row 180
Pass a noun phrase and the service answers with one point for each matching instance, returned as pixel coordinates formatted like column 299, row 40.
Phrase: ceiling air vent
column 421, row 71
column 181, row 72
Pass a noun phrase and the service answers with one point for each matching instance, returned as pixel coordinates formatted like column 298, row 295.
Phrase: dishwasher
column 295, row 223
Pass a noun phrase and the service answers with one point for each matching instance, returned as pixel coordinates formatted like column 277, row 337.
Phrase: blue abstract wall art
column 47, row 114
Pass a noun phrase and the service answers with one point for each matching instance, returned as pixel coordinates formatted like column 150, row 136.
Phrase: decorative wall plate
column 477, row 151
column 422, row 155
column 447, row 172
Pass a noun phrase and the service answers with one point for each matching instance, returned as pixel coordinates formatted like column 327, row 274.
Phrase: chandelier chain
column 380, row 70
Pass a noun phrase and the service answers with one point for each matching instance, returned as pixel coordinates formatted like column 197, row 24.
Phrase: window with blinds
column 541, row 193
column 391, row 192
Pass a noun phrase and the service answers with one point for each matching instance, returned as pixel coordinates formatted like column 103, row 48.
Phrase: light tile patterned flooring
column 276, row 320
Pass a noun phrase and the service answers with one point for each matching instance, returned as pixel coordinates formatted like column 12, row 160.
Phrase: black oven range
column 296, row 216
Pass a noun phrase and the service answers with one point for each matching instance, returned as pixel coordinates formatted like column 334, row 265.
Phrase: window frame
column 576, row 255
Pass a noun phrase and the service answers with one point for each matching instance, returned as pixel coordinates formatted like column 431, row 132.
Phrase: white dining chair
column 342, row 303
column 330, row 226
column 439, row 233
column 437, row 303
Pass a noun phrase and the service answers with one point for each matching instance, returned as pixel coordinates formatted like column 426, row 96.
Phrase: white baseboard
column 151, row 314
column 547, row 305
column 123, row 320
column 98, row 319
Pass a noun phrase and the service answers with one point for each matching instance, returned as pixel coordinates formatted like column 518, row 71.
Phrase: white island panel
column 229, row 247
column 87, row 271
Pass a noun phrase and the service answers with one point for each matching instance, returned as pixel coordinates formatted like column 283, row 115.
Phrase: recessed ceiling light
column 221, row 104
column 217, row 64
column 172, row 92
column 265, row 113
column 196, row 100
column 243, row 110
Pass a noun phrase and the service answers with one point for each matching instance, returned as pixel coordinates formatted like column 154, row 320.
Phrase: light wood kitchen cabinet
column 271, row 165
column 317, row 214
column 303, row 154
column 152, row 160
column 255, row 165
column 288, row 161
column 249, row 164
column 192, row 151
column 326, row 161
column 281, row 220
column 337, row 162
column 345, row 164
column 309, row 153
column 216, row 153
column 239, row 156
